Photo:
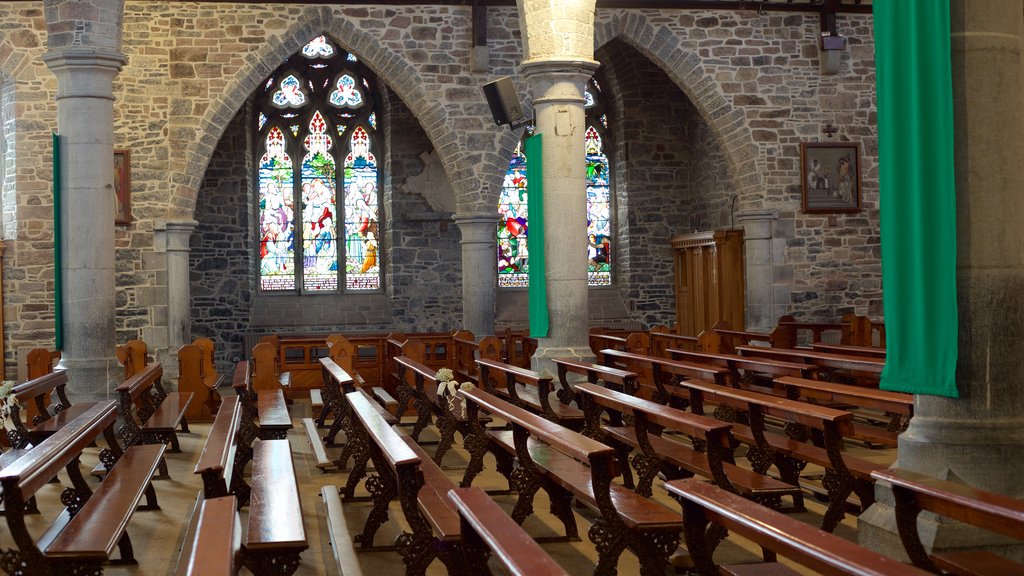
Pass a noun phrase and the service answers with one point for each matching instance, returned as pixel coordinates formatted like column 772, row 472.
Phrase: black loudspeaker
column 504, row 104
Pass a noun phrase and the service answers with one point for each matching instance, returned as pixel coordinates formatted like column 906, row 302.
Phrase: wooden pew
column 37, row 393
column 776, row 533
column 275, row 536
column 133, row 355
column 528, row 390
column 569, row 465
column 94, row 522
column 843, row 474
column 896, row 408
column 486, row 528
column 398, row 344
column 267, row 406
column 266, row 372
column 997, row 513
column 38, row 363
column 215, row 546
column 466, row 350
column 611, row 377
column 860, row 370
column 870, row 351
column 405, row 472
column 709, row 453
column 747, row 372
column 194, row 377
column 657, row 373
column 662, row 339
column 151, row 415
column 342, row 353
column 517, row 348
column 219, row 465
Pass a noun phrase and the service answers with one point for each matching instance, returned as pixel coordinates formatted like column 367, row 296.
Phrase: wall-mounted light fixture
column 830, row 52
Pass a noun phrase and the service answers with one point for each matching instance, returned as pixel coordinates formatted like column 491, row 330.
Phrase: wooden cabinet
column 709, row 281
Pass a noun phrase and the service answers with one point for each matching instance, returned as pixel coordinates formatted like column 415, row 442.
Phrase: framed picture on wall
column 122, row 188
column 830, row 172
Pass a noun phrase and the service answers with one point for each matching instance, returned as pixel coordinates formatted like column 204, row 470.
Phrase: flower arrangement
column 7, row 401
column 447, row 386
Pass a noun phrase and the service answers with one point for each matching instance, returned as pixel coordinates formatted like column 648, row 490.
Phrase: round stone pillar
column 176, row 234
column 977, row 438
column 85, row 120
column 759, row 273
column 479, row 270
column 557, row 87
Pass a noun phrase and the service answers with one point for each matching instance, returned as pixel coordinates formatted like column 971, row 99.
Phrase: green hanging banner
column 58, row 279
column 538, row 291
column 917, row 195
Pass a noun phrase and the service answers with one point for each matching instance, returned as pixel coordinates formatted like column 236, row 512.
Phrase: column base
column 876, row 530
column 91, row 379
column 542, row 360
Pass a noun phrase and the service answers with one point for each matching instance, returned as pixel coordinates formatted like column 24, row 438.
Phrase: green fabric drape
column 917, row 195
column 538, row 291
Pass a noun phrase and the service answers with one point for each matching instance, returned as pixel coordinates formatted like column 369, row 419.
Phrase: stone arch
column 387, row 65
column 728, row 123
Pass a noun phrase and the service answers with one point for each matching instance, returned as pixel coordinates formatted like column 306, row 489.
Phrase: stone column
column 479, row 271
column 176, row 234
column 978, row 438
column 759, row 269
column 557, row 87
column 85, row 120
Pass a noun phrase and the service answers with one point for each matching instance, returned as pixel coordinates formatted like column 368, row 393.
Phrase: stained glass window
column 319, row 136
column 513, row 259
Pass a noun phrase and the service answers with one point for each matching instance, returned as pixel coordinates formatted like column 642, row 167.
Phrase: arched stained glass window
column 316, row 112
column 513, row 254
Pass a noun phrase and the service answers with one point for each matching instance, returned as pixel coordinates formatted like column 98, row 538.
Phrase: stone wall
column 752, row 80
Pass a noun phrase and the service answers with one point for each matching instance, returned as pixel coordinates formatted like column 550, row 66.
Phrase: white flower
column 444, row 375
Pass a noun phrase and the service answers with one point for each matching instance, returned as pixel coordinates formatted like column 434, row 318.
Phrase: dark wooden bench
column 486, row 528
column 775, row 533
column 151, row 415
column 528, row 390
column 890, row 411
column 93, row 523
column 220, row 464
column 611, row 377
column 792, row 451
column 657, row 373
column 569, row 465
column 404, row 471
column 268, row 406
column 914, row 492
column 450, row 417
column 466, row 351
column 41, row 392
column 859, row 370
column 214, row 545
column 275, row 536
column 355, row 445
column 745, row 371
column 709, row 453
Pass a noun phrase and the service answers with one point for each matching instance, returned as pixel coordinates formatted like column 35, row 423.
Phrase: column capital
column 176, row 233
column 757, row 224
column 85, row 72
column 477, row 227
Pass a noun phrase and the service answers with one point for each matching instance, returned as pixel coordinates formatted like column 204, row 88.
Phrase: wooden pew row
column 708, row 454
column 655, row 374
column 466, row 351
column 745, row 371
column 890, row 411
column 614, row 378
column 267, row 374
column 486, row 528
column 83, row 537
column 569, row 465
column 844, row 474
column 869, row 351
column 214, row 546
column 528, row 390
column 824, row 553
column 267, row 406
column 405, row 472
column 517, row 348
column 859, row 370
column 151, row 415
column 198, row 376
column 914, row 492
column 37, row 393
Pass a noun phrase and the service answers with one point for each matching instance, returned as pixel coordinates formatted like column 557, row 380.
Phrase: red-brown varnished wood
column 692, row 424
column 169, row 413
column 801, row 542
column 436, row 508
column 391, row 444
column 690, row 370
column 60, row 419
column 848, row 350
column 514, row 548
column 977, row 563
column 822, row 359
column 596, row 371
column 275, row 511
column 96, row 529
column 216, row 545
column 273, row 410
column 897, row 402
column 791, row 410
column 218, row 455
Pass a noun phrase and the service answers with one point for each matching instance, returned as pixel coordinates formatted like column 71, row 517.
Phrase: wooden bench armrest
column 564, row 440
column 217, row 542
column 337, row 373
column 988, row 510
column 798, row 412
column 240, row 378
column 392, row 446
column 514, row 548
column 217, row 457
column 809, row 546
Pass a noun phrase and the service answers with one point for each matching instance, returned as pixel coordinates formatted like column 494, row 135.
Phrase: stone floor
column 156, row 535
